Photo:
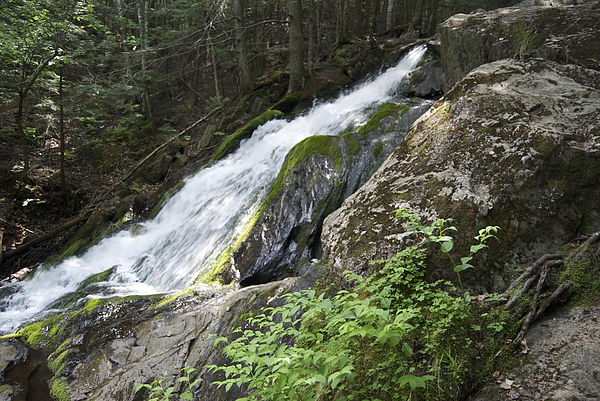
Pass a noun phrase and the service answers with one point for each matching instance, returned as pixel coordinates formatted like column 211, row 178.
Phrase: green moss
column 69, row 251
column 59, row 390
column 172, row 298
column 92, row 304
column 325, row 145
column 584, row 273
column 377, row 150
column 41, row 333
column 58, row 363
column 386, row 109
column 97, row 278
column 288, row 103
column 232, row 141
column 218, row 268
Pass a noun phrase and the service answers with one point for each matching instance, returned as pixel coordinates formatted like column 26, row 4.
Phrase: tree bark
column 142, row 11
column 414, row 29
column 311, row 36
column 216, row 77
column 358, row 18
column 61, row 128
column 389, row 17
column 245, row 76
column 20, row 115
column 296, row 53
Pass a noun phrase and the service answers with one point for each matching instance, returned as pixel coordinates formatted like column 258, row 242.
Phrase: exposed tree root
column 539, row 272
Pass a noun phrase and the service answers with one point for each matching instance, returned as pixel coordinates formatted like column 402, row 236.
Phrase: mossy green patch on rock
column 386, row 109
column 59, row 390
column 57, row 362
column 42, row 333
column 325, row 145
column 171, row 298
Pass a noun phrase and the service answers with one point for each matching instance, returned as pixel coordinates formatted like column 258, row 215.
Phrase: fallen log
column 35, row 241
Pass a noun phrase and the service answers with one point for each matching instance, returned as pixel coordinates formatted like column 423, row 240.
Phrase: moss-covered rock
column 317, row 175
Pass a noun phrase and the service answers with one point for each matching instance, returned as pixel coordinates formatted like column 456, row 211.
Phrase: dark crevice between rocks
column 31, row 377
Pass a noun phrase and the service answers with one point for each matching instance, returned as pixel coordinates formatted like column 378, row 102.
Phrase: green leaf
column 141, row 386
column 447, row 246
column 415, row 381
column 187, row 396
column 462, row 267
column 477, row 248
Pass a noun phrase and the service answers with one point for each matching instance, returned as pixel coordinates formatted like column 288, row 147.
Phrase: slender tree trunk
column 19, row 116
column 389, row 18
column 142, row 10
column 414, row 30
column 311, row 37
column 369, row 15
column 358, row 18
column 342, row 22
column 61, row 127
column 245, row 75
column 216, row 76
column 296, row 52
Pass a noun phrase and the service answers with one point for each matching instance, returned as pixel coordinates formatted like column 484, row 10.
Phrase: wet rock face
column 318, row 175
column 564, row 34
column 514, row 144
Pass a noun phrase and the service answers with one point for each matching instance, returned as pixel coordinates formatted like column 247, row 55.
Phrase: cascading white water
column 204, row 217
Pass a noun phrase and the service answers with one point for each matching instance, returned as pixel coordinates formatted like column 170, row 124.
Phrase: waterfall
column 201, row 220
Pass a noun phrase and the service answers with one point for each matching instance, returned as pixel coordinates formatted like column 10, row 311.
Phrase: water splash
column 204, row 217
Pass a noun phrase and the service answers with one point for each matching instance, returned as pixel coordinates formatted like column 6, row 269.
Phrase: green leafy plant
column 314, row 345
column 438, row 232
column 158, row 392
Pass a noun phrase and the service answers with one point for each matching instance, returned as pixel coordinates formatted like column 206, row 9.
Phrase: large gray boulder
column 514, row 144
column 567, row 34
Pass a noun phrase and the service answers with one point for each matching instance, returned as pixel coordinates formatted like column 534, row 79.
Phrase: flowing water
column 203, row 218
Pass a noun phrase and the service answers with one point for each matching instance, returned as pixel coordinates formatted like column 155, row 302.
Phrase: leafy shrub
column 160, row 393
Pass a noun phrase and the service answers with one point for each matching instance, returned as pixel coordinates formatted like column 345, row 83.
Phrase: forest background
column 89, row 88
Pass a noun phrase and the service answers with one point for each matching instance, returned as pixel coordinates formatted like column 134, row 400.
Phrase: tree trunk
column 311, row 37
column 19, row 116
column 296, row 53
column 358, row 18
column 245, row 75
column 61, row 128
column 414, row 29
column 216, row 77
column 142, row 11
column 389, row 17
